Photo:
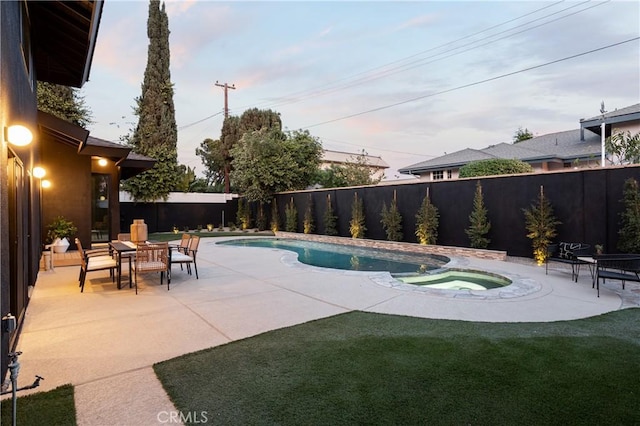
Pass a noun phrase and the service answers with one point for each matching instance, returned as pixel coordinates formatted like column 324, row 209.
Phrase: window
column 449, row 174
column 100, row 207
column 437, row 175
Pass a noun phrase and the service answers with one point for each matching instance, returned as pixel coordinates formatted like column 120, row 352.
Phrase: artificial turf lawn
column 53, row 408
column 364, row 368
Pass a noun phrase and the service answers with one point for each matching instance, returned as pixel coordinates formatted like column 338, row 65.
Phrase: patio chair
column 568, row 253
column 94, row 260
column 189, row 256
column 184, row 243
column 622, row 267
column 151, row 258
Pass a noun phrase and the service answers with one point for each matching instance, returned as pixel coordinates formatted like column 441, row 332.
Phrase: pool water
column 455, row 279
column 410, row 268
column 348, row 258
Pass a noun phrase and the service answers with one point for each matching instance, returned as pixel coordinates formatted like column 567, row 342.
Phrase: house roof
column 341, row 157
column 630, row 113
column 75, row 136
column 63, row 39
column 563, row 146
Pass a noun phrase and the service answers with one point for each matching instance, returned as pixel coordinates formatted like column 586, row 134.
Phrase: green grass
column 55, row 407
column 363, row 368
column 170, row 236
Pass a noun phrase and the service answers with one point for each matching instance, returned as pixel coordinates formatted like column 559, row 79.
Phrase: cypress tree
column 329, row 218
column 541, row 226
column 629, row 232
column 156, row 134
column 291, row 217
column 63, row 102
column 357, row 224
column 479, row 223
column 427, row 221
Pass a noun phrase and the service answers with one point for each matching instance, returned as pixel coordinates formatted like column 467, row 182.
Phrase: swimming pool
column 419, row 269
column 348, row 258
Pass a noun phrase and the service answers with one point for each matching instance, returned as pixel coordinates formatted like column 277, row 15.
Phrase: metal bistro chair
column 94, row 260
column 151, row 258
column 189, row 256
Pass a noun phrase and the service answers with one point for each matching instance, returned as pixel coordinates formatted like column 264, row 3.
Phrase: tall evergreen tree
column 156, row 134
column 479, row 224
column 629, row 232
column 63, row 102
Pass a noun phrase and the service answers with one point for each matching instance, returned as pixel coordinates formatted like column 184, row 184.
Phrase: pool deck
column 105, row 341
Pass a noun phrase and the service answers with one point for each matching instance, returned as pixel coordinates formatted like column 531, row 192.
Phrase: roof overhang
column 594, row 124
column 75, row 136
column 64, row 35
column 61, row 130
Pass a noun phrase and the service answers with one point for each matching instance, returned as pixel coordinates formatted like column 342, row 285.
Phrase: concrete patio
column 105, row 341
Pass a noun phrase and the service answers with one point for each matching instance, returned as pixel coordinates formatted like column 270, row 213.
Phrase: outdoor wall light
column 102, row 162
column 18, row 135
column 39, row 172
column 45, row 183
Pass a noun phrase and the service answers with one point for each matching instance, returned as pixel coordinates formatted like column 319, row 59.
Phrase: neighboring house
column 50, row 41
column 554, row 151
column 339, row 158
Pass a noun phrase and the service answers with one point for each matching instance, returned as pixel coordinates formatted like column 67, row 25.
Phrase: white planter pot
column 60, row 245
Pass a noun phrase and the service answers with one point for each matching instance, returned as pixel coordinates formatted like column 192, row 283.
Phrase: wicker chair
column 151, row 258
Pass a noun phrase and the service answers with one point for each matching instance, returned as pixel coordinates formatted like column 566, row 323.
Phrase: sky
column 407, row 81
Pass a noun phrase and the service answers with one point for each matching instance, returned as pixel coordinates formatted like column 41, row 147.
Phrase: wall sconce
column 45, row 183
column 18, row 135
column 39, row 172
column 102, row 162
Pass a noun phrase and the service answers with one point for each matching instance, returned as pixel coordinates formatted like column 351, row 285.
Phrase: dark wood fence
column 586, row 201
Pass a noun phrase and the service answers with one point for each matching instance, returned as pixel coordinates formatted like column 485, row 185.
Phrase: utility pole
column 603, row 129
column 226, row 88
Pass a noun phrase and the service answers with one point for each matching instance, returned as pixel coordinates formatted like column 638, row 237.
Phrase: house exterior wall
column 19, row 198
column 632, row 126
column 70, row 192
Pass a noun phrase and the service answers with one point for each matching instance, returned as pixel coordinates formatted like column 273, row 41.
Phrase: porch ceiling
column 64, row 35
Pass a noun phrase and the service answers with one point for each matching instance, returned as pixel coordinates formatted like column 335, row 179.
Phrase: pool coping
column 459, row 258
column 449, row 251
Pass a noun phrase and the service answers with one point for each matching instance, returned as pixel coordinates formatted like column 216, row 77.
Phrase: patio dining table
column 121, row 247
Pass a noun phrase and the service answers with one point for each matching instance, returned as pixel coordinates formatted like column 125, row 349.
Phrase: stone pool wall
column 448, row 251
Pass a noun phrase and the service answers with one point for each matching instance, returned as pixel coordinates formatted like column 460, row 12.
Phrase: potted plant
column 60, row 230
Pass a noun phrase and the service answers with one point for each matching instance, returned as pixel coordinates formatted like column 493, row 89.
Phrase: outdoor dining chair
column 151, row 257
column 94, row 260
column 189, row 256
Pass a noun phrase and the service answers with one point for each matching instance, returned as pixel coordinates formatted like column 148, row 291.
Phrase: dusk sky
column 406, row 81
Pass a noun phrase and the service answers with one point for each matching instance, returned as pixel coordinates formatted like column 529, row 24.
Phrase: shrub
column 356, row 225
column 329, row 219
column 275, row 218
column 427, row 221
column 291, row 217
column 630, row 218
column 308, row 217
column 261, row 219
column 494, row 166
column 479, row 224
column 392, row 220
column 243, row 216
column 541, row 226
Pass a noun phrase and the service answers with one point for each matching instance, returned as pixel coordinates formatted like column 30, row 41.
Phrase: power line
column 333, row 87
column 464, row 86
column 186, row 126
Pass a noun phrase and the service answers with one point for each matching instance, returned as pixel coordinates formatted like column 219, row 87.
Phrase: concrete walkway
column 105, row 341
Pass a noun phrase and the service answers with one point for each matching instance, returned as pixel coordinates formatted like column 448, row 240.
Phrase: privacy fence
column 586, row 201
